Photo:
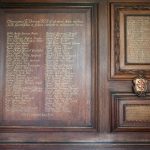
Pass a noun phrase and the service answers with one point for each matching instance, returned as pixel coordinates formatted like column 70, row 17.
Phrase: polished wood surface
column 108, row 116
column 48, row 75
column 123, row 57
column 130, row 113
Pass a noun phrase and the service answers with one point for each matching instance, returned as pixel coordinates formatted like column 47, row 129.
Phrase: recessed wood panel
column 137, row 112
column 130, row 113
column 137, row 39
column 130, row 38
column 48, row 70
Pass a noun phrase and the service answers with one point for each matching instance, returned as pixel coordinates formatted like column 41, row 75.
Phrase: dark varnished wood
column 101, row 135
column 134, row 120
column 91, row 11
column 119, row 68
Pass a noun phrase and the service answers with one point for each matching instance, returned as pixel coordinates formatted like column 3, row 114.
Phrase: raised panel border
column 119, row 70
column 119, row 103
column 92, row 7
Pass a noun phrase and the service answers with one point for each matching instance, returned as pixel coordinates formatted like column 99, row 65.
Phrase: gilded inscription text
column 45, row 66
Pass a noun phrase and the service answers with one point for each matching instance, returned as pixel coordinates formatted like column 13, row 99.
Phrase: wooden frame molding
column 130, row 113
column 120, row 68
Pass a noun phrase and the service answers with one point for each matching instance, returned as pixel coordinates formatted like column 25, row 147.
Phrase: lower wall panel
column 130, row 113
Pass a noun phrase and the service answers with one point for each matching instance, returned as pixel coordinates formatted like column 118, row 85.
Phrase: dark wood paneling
column 130, row 113
column 104, row 83
column 82, row 82
column 120, row 69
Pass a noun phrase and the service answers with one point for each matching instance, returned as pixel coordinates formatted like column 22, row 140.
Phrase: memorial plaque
column 47, row 68
column 140, row 113
column 138, row 39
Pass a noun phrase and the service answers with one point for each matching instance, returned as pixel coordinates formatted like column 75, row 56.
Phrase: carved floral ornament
column 140, row 85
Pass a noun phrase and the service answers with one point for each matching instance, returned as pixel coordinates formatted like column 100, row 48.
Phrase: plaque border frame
column 119, row 69
column 119, row 101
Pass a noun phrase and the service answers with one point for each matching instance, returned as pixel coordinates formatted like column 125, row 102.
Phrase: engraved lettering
column 46, row 72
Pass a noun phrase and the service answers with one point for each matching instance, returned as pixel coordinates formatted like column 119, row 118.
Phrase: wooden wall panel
column 113, row 117
column 49, row 68
column 137, row 112
column 130, row 113
column 129, row 40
